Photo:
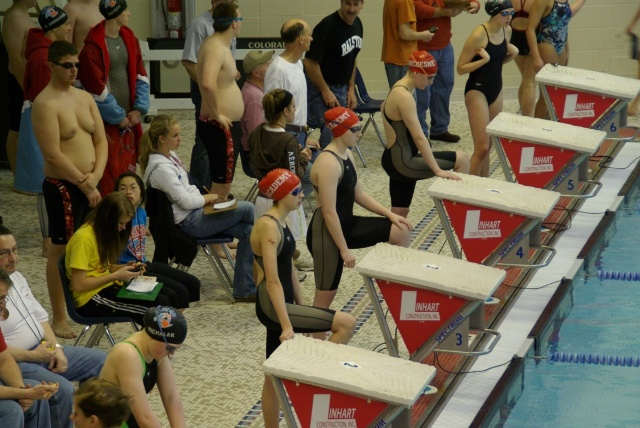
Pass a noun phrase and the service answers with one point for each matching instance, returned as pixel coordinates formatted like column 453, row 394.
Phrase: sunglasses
column 170, row 349
column 296, row 191
column 507, row 13
column 67, row 65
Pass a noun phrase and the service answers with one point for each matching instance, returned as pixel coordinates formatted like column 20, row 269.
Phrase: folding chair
column 175, row 246
column 102, row 323
column 367, row 105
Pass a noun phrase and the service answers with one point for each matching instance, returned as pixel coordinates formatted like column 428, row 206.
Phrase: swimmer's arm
column 71, row 14
column 47, row 132
column 269, row 240
column 537, row 10
column 208, row 72
column 474, row 43
column 129, row 375
column 327, row 174
column 633, row 21
column 99, row 138
column 512, row 51
column 15, row 41
column 170, row 395
column 576, row 6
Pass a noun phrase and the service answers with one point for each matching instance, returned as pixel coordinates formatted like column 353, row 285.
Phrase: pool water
column 604, row 320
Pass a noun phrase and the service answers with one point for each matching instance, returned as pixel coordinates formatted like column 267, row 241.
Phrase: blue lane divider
column 622, row 276
column 605, row 360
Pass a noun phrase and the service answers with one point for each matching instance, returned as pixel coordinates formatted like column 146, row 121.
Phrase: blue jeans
column 84, row 363
column 316, row 109
column 237, row 223
column 435, row 98
column 199, row 166
column 395, row 72
column 37, row 416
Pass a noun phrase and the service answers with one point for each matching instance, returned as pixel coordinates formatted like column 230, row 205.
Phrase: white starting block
column 589, row 99
column 546, row 154
column 333, row 385
column 434, row 300
column 497, row 222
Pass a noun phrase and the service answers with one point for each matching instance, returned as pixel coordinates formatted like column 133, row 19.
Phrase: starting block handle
column 550, row 253
column 492, row 345
column 594, row 191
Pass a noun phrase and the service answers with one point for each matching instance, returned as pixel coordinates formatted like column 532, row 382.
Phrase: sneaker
column 301, row 275
column 303, row 264
column 447, row 137
column 246, row 299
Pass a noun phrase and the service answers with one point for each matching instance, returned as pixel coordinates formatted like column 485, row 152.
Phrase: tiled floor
column 219, row 367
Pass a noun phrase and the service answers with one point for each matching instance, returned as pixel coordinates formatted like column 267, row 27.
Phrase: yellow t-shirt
column 82, row 253
column 394, row 49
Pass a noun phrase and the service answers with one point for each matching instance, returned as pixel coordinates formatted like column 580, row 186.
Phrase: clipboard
column 123, row 293
column 210, row 209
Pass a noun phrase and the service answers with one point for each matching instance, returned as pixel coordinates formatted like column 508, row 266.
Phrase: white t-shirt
column 285, row 75
column 23, row 328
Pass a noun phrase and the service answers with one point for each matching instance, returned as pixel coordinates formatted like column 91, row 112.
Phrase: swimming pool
column 602, row 317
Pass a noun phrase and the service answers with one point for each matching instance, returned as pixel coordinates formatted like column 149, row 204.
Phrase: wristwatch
column 59, row 346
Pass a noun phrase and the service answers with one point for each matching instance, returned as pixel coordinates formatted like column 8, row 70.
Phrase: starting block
column 589, row 99
column 333, row 385
column 435, row 300
column 496, row 221
column 546, row 154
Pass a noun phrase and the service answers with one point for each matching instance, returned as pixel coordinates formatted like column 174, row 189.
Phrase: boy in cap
column 113, row 72
column 255, row 65
column 142, row 361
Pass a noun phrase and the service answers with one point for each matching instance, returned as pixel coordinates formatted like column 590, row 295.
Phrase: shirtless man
column 70, row 133
column 221, row 98
column 83, row 14
column 16, row 24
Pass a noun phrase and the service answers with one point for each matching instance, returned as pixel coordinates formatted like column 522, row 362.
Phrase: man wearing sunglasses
column 142, row 361
column 69, row 131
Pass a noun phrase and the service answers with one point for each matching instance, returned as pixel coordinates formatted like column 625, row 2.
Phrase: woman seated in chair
column 183, row 284
column 408, row 156
column 279, row 306
column 164, row 171
column 91, row 253
column 272, row 147
column 141, row 362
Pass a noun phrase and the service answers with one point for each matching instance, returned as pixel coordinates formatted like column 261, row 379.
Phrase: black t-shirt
column 335, row 46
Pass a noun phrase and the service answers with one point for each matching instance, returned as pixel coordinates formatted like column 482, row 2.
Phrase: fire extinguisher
column 174, row 18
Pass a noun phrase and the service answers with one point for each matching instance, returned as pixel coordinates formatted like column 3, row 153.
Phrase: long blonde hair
column 150, row 140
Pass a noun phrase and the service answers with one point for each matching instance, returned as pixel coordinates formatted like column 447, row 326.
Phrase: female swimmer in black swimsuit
column 279, row 304
column 483, row 54
column 408, row 156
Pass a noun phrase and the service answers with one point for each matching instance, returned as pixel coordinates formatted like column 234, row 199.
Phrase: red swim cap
column 278, row 183
column 340, row 119
column 422, row 62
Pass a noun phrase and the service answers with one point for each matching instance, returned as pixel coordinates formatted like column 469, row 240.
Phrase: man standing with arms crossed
column 70, row 133
column 330, row 64
column 433, row 13
column 221, row 98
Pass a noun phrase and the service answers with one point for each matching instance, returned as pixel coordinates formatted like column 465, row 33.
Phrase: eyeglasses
column 170, row 349
column 67, row 65
column 4, row 254
column 507, row 12
column 296, row 191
